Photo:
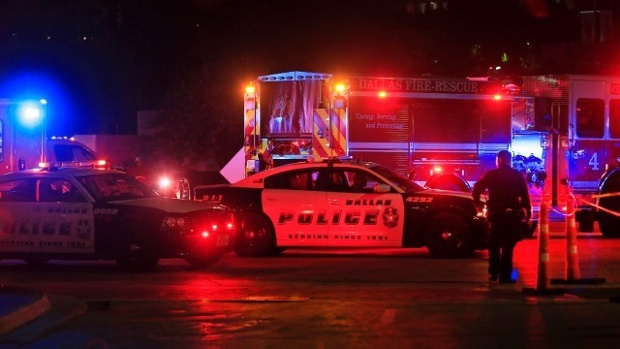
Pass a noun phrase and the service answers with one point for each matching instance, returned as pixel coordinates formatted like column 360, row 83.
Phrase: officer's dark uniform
column 508, row 194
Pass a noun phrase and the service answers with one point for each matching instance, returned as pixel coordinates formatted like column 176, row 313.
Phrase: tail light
column 213, row 228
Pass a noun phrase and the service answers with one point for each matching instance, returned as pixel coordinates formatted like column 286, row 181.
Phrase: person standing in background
column 508, row 204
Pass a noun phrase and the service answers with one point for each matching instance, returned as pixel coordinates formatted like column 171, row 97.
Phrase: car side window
column 360, row 182
column 58, row 190
column 294, row 180
column 72, row 152
column 332, row 179
column 22, row 190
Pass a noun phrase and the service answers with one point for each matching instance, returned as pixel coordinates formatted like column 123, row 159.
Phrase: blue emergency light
column 30, row 113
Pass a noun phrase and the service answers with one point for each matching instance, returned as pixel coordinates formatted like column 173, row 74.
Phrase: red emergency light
column 382, row 94
column 340, row 87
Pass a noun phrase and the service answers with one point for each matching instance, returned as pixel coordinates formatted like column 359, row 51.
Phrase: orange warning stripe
column 329, row 127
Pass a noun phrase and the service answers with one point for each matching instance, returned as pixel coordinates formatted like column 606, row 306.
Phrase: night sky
column 97, row 62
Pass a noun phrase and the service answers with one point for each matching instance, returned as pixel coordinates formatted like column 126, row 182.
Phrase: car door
column 363, row 217
column 297, row 209
column 47, row 215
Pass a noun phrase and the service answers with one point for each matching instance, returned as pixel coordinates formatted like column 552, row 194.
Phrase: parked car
column 68, row 211
column 347, row 204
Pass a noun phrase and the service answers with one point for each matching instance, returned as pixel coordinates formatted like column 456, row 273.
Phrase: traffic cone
column 542, row 278
column 572, row 255
column 573, row 276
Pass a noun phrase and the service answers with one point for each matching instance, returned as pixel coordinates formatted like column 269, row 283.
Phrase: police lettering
column 46, row 226
column 337, row 237
column 347, row 237
column 365, row 202
column 350, row 217
column 50, row 243
column 308, row 236
column 67, row 209
column 111, row 211
column 419, row 199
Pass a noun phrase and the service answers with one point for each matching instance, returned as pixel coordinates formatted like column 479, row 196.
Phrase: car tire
column 448, row 235
column 203, row 262
column 137, row 258
column 257, row 238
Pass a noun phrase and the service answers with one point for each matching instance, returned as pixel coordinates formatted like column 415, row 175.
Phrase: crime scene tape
column 599, row 207
column 563, row 212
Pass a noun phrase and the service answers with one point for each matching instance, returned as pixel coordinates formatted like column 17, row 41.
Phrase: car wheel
column 138, row 258
column 448, row 235
column 257, row 238
column 202, row 262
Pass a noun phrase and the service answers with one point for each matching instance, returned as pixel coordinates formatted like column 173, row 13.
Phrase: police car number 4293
column 347, row 204
column 88, row 213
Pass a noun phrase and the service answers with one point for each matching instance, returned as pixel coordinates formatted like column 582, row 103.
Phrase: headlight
column 204, row 226
column 175, row 222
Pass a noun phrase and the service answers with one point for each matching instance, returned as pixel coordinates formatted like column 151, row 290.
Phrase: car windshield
column 115, row 186
column 400, row 181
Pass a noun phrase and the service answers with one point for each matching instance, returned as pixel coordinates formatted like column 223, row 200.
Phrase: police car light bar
column 74, row 164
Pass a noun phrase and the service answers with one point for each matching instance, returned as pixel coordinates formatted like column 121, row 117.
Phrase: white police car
column 89, row 213
column 347, row 204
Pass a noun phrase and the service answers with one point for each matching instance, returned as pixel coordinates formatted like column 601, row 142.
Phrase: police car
column 347, row 204
column 73, row 212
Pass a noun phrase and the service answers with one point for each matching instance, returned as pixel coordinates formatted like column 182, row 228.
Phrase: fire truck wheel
column 257, row 238
column 202, row 262
column 608, row 223
column 448, row 235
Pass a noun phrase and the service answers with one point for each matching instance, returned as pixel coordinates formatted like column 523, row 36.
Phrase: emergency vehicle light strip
column 249, row 121
column 320, row 143
column 423, row 95
column 446, row 146
column 339, row 141
column 294, row 76
column 399, row 146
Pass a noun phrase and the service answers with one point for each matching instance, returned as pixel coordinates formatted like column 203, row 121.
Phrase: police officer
column 508, row 202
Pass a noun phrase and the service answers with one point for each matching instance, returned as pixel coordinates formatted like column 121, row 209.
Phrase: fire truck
column 563, row 131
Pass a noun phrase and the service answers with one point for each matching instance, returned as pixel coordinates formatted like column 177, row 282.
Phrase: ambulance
column 24, row 143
